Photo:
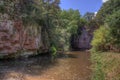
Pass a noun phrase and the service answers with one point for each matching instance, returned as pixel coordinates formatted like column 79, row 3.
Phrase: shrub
column 113, row 22
column 100, row 39
column 53, row 51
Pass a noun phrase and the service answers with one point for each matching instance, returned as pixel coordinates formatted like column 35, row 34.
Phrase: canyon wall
column 82, row 41
column 14, row 38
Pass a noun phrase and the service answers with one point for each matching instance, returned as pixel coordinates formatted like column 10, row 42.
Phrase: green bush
column 113, row 22
column 110, row 16
column 107, row 37
column 100, row 39
column 53, row 51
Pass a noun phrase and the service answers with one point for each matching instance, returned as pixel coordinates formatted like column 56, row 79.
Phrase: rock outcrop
column 82, row 41
column 13, row 38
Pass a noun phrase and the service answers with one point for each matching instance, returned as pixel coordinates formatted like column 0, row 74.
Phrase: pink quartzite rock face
column 83, row 40
column 14, row 38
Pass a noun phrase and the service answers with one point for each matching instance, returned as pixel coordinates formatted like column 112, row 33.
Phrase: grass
column 106, row 66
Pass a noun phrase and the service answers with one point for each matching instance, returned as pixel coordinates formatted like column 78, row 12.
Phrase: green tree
column 113, row 21
column 99, row 41
column 69, row 22
column 107, row 9
column 109, row 17
column 38, row 17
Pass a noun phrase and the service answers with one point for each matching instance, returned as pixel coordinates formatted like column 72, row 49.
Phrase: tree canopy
column 107, row 9
column 109, row 17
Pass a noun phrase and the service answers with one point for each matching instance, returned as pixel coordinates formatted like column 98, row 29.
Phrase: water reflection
column 32, row 66
column 68, row 66
column 67, row 56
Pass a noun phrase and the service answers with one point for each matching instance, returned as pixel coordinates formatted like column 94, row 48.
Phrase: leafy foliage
column 69, row 22
column 113, row 22
column 109, row 16
column 100, row 39
column 107, row 9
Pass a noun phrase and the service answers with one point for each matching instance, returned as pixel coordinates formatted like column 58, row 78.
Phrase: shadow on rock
column 31, row 66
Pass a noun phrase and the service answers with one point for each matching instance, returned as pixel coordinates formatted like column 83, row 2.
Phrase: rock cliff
column 14, row 38
column 82, row 41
